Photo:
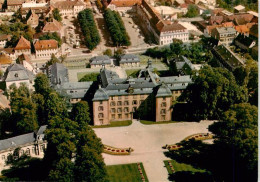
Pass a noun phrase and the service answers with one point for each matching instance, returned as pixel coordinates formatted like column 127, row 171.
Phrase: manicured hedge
column 89, row 28
column 116, row 28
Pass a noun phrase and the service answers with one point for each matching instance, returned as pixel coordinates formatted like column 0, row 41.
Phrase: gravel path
column 147, row 141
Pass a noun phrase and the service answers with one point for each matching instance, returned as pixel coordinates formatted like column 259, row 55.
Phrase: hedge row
column 89, row 28
column 116, row 28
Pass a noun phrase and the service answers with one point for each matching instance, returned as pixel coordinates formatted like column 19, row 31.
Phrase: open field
column 125, row 173
column 181, row 167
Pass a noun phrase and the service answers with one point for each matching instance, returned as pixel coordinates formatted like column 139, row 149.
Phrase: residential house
column 17, row 74
column 40, row 8
column 242, row 29
column 25, row 60
column 244, row 42
column 33, row 20
column 3, row 40
column 129, row 60
column 30, row 144
column 123, row 5
column 226, row 58
column 10, row 52
column 53, row 26
column 146, row 97
column 58, row 76
column 5, row 61
column 163, row 31
column 239, row 9
column 69, row 8
column 98, row 61
column 225, row 35
column 14, row 5
column 45, row 48
column 23, row 47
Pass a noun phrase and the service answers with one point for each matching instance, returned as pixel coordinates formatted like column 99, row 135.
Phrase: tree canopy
column 56, row 14
column 192, row 11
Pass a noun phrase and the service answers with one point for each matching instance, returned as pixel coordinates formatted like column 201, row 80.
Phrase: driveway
column 147, row 142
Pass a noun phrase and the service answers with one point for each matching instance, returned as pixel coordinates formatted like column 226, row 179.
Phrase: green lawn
column 125, row 173
column 115, row 124
column 82, row 74
column 161, row 122
column 181, row 167
column 133, row 73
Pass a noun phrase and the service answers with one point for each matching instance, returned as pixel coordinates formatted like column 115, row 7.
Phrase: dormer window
column 16, row 75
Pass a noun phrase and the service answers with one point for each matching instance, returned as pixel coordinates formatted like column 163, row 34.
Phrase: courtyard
column 147, row 142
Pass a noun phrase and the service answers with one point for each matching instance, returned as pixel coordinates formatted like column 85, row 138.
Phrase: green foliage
column 116, row 28
column 237, row 133
column 108, row 52
column 80, row 113
column 53, row 60
column 230, row 4
column 56, row 14
column 119, row 51
column 89, row 28
column 89, row 77
column 42, row 84
column 99, row 5
column 16, row 30
column 23, row 109
column 214, row 90
column 50, row 36
column 192, row 11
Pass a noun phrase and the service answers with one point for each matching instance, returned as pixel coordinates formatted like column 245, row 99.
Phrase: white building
column 3, row 39
column 69, row 8
column 45, row 48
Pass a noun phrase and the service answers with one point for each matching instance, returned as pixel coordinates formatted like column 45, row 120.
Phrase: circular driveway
column 147, row 142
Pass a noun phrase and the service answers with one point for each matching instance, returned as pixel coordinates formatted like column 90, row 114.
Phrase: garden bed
column 117, row 151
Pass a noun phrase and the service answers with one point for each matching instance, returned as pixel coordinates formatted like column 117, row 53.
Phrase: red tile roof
column 123, row 3
column 53, row 26
column 68, row 4
column 23, row 44
column 45, row 44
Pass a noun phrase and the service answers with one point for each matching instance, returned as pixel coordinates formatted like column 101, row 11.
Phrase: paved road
column 147, row 141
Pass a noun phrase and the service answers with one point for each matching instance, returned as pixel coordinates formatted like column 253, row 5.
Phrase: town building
column 5, row 61
column 17, row 74
column 40, row 8
column 163, row 31
column 70, row 8
column 33, row 20
column 45, row 48
column 14, row 5
column 98, row 61
column 30, row 144
column 59, row 79
column 182, row 65
column 146, row 97
column 129, row 60
column 244, row 42
column 10, row 52
column 123, row 5
column 23, row 47
column 239, row 9
column 225, row 35
column 3, row 39
column 25, row 60
column 226, row 58
column 51, row 27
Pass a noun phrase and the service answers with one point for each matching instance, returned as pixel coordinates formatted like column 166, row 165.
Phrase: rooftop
column 17, row 72
column 23, row 44
column 45, row 44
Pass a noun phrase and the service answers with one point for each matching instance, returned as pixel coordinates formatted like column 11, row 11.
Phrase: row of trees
column 74, row 150
column 116, row 28
column 89, row 28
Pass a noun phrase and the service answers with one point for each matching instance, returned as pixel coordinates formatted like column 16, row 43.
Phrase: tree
column 57, row 15
column 213, row 92
column 192, row 11
column 120, row 51
column 237, row 135
column 23, row 109
column 89, row 77
column 53, row 60
column 42, row 84
column 80, row 113
column 108, row 52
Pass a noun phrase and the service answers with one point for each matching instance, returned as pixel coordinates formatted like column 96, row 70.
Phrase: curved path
column 147, row 142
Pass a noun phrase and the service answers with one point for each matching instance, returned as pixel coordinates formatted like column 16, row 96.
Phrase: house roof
column 5, row 59
column 100, row 95
column 162, row 26
column 58, row 74
column 5, row 37
column 245, row 40
column 239, row 7
column 129, row 58
column 24, row 57
column 164, row 91
column 216, row 20
column 17, row 72
column 17, row 141
column 15, row 2
column 23, row 44
column 53, row 26
column 225, row 30
column 45, row 44
column 123, row 3
column 68, row 4
column 242, row 29
column 99, row 60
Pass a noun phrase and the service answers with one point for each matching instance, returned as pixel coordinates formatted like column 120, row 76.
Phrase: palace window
column 163, row 117
column 126, row 115
column 119, row 116
column 126, row 103
column 113, row 116
column 135, row 96
column 164, row 98
column 100, row 108
column 112, row 103
column 27, row 151
column 163, row 111
column 100, row 115
column 119, row 103
column 119, row 110
column 126, row 109
column 42, row 147
column 100, row 102
column 134, row 102
column 119, row 97
column 113, row 110
column 163, row 104
column 33, row 150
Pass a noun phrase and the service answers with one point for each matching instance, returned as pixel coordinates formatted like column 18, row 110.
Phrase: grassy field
column 181, row 167
column 161, row 122
column 82, row 74
column 134, row 72
column 125, row 173
column 115, row 124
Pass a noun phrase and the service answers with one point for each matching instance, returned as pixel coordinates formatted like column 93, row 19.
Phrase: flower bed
column 117, row 151
column 141, row 172
column 199, row 136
